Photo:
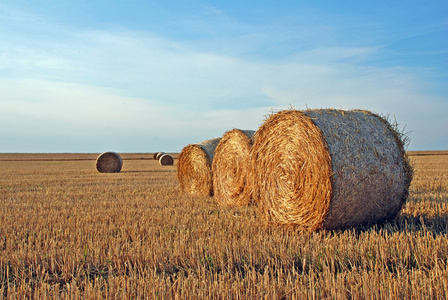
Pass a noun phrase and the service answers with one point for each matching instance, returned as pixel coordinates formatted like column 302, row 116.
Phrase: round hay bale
column 329, row 169
column 194, row 170
column 109, row 162
column 166, row 160
column 158, row 154
column 230, row 168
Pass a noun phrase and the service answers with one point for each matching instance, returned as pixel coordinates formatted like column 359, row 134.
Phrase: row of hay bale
column 111, row 162
column 314, row 169
column 164, row 159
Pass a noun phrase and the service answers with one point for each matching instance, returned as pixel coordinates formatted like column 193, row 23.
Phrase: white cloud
column 82, row 84
column 72, row 112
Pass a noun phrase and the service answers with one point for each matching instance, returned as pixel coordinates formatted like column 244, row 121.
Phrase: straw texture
column 166, row 160
column 194, row 168
column 329, row 169
column 230, row 168
column 109, row 162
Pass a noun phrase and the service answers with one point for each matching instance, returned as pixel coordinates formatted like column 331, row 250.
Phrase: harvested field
column 69, row 232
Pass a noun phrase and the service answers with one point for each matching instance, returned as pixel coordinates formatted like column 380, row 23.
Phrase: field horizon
column 70, row 232
column 148, row 155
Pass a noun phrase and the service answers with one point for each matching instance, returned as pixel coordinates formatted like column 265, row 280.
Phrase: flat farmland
column 70, row 232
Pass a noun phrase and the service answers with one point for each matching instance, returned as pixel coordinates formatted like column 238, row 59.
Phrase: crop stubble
column 69, row 231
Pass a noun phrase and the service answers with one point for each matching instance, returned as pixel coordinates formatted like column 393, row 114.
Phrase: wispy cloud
column 76, row 87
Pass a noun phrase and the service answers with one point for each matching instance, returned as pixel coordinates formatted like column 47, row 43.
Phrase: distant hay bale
column 329, row 169
column 157, row 155
column 194, row 168
column 230, row 168
column 109, row 162
column 166, row 160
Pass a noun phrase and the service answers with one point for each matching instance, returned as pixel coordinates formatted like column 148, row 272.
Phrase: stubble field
column 69, row 232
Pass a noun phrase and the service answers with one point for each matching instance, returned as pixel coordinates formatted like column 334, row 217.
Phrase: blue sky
column 146, row 76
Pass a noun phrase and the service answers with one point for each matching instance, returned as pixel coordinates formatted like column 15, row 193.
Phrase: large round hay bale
column 166, row 160
column 230, row 168
column 329, row 168
column 109, row 162
column 194, row 170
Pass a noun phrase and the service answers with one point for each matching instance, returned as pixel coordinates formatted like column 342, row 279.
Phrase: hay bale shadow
column 436, row 224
